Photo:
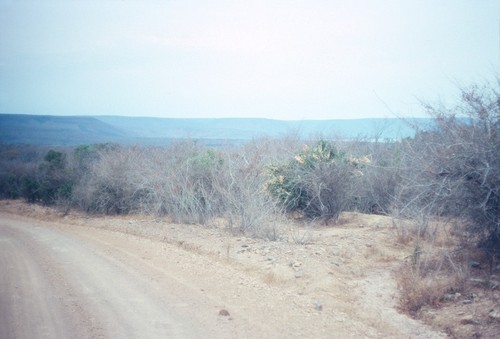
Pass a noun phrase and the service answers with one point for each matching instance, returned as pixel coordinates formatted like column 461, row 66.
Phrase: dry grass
column 272, row 278
column 402, row 231
column 418, row 290
column 433, row 273
column 434, row 269
column 378, row 253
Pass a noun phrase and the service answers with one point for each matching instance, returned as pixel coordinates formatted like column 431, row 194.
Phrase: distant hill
column 248, row 128
column 75, row 130
column 56, row 130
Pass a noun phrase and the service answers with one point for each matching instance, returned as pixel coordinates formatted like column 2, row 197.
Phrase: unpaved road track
column 55, row 286
column 75, row 280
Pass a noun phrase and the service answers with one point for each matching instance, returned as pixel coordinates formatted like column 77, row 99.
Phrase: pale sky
column 284, row 59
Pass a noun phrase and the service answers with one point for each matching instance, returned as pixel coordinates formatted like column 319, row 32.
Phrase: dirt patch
column 317, row 281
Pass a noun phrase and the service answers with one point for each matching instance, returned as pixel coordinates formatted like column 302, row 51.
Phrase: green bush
column 30, row 188
column 316, row 182
column 10, row 186
column 51, row 183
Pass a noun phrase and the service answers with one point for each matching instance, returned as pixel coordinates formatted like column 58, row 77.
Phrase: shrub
column 113, row 184
column 316, row 182
column 17, row 164
column 192, row 195
column 375, row 190
column 50, row 183
column 453, row 169
column 30, row 188
column 247, row 205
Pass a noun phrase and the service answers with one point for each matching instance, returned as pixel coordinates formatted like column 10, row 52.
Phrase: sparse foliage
column 450, row 175
column 453, row 169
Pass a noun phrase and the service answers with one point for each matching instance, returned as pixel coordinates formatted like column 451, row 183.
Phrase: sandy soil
column 129, row 277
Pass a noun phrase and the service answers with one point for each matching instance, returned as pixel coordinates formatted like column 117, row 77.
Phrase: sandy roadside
column 338, row 285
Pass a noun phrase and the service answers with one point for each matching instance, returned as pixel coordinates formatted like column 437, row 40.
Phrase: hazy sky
column 290, row 59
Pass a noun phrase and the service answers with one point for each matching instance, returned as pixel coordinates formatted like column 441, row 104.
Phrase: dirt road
column 54, row 285
column 68, row 280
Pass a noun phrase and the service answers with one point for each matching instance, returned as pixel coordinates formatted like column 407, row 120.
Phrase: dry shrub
column 247, row 206
column 300, row 234
column 452, row 169
column 427, row 277
column 417, row 291
column 187, row 182
column 418, row 228
column 404, row 234
column 316, row 182
column 114, row 183
column 374, row 191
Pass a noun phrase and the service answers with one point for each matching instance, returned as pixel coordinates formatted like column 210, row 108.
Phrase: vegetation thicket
column 449, row 171
column 453, row 169
column 316, row 182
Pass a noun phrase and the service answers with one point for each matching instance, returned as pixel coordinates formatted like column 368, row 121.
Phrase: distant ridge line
column 78, row 129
